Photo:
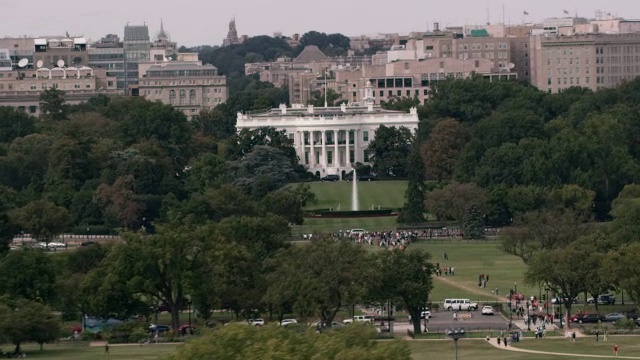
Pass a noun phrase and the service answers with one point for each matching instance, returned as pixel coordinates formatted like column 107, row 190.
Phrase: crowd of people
column 388, row 238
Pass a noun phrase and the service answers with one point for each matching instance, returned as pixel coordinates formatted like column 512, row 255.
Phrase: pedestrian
column 604, row 337
column 573, row 336
column 455, row 316
column 505, row 341
column 597, row 335
column 499, row 340
column 487, row 278
column 615, row 350
column 106, row 347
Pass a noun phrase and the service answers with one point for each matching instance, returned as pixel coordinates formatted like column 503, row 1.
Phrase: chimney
column 343, row 107
column 436, row 26
column 283, row 109
column 310, row 109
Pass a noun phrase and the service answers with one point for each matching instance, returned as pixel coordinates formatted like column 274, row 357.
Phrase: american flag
column 526, row 13
column 566, row 12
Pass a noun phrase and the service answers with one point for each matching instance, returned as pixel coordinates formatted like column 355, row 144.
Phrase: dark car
column 366, row 178
column 163, row 307
column 159, row 328
column 590, row 318
column 604, row 299
column 331, row 178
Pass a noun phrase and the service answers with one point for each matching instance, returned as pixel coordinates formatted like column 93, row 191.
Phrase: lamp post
column 548, row 301
column 456, row 334
column 528, row 317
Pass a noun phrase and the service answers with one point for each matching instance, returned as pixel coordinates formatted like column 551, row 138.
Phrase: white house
column 330, row 140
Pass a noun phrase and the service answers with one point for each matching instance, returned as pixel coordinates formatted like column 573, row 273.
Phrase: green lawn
column 471, row 349
column 82, row 351
column 386, row 194
column 471, row 259
column 628, row 345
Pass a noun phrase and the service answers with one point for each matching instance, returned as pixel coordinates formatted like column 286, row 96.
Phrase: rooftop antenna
column 502, row 14
column 488, row 16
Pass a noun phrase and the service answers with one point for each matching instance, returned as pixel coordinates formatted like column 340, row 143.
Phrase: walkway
column 494, row 342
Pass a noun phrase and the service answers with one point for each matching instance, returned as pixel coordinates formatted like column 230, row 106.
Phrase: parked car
column 331, row 178
column 559, row 300
column 613, row 317
column 459, row 304
column 185, row 329
column 575, row 317
column 367, row 319
column 425, row 314
column 286, row 322
column 591, row 318
column 366, row 178
column 487, row 310
column 256, row 322
column 163, row 307
column 604, row 299
column 159, row 328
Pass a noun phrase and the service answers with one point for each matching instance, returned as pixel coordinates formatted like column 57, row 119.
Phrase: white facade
column 330, row 140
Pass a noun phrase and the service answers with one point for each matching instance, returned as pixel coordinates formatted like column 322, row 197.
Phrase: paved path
column 448, row 281
column 494, row 342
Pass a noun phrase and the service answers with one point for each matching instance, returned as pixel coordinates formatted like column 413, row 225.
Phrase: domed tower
column 368, row 95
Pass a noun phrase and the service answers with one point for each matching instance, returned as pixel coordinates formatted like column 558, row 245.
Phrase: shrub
column 626, row 324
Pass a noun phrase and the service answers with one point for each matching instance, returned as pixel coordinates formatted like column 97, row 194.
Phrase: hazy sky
column 192, row 22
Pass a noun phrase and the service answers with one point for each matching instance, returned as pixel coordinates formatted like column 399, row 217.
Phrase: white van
column 367, row 319
column 357, row 231
column 459, row 304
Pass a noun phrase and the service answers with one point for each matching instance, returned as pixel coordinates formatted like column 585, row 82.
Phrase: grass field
column 82, row 351
column 628, row 345
column 480, row 350
column 471, row 259
column 386, row 194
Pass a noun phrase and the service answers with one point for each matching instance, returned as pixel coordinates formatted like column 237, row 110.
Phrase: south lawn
column 386, row 194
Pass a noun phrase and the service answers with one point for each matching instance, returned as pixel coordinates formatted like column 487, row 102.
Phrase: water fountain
column 355, row 206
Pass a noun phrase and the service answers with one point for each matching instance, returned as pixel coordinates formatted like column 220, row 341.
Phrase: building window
column 306, row 157
column 33, row 109
column 365, row 135
column 399, row 93
column 329, row 157
column 290, row 136
column 351, row 157
column 183, row 96
column 381, row 93
column 192, row 97
column 366, row 156
column 172, row 97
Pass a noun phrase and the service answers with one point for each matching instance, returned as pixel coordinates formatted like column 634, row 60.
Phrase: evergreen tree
column 413, row 209
column 472, row 224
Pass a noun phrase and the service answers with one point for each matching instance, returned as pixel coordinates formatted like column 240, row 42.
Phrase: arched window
column 183, row 96
column 192, row 97
column 172, row 97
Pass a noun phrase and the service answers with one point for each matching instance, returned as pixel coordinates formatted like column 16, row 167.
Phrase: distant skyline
column 192, row 22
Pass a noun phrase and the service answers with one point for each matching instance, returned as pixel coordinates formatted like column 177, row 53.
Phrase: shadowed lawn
column 82, row 351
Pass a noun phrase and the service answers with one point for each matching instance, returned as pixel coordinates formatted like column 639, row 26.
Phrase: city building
column 330, row 140
column 186, row 84
column 591, row 61
column 232, row 34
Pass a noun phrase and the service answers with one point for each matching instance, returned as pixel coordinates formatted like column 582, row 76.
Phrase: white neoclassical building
column 330, row 140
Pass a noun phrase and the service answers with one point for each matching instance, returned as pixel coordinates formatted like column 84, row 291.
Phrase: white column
column 355, row 145
column 324, row 149
column 336, row 162
column 312, row 151
column 346, row 148
column 302, row 148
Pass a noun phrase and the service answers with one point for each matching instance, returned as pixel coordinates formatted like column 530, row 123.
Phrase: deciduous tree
column 442, row 149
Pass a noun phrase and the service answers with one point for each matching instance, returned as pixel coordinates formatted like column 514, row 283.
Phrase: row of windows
column 329, row 135
column 566, row 71
column 181, row 73
column 45, row 86
column 487, row 46
column 330, row 157
column 184, row 82
column 570, row 81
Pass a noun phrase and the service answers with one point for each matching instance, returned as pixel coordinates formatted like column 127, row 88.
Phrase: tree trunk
column 175, row 317
column 567, row 306
column 17, row 350
column 415, row 320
